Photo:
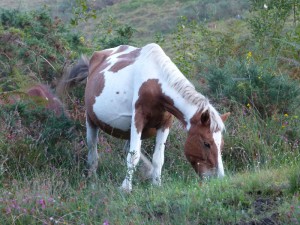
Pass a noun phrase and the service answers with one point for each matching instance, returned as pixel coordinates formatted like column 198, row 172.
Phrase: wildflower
column 42, row 203
column 81, row 39
column 105, row 222
column 8, row 210
column 265, row 6
column 51, row 200
column 249, row 55
column 249, row 106
column 24, row 211
column 286, row 115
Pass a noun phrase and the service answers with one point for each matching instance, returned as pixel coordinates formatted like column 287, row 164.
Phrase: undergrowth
column 43, row 157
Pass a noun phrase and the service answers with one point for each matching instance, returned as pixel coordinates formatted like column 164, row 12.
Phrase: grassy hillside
column 248, row 65
column 147, row 17
column 261, row 198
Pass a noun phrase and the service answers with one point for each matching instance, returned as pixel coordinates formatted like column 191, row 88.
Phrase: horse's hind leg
column 92, row 139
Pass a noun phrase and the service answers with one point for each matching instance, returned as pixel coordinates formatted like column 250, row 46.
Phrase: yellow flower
column 249, row 55
column 286, row 115
column 248, row 105
column 81, row 39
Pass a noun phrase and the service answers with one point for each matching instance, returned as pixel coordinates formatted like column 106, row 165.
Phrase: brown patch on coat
column 200, row 148
column 121, row 48
column 95, row 82
column 153, row 109
column 97, row 60
column 125, row 60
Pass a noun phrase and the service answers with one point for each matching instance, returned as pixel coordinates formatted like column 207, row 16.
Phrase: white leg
column 133, row 157
column 158, row 156
column 147, row 167
column 92, row 138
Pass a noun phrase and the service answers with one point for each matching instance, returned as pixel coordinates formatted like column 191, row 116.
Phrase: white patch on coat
column 218, row 140
column 114, row 105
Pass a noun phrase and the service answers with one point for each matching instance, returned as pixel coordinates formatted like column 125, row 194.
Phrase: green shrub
column 254, row 86
column 113, row 33
column 34, row 45
column 274, row 26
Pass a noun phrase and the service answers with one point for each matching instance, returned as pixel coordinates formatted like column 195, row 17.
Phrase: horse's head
column 203, row 147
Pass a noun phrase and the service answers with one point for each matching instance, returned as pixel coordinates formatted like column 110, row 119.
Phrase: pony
column 40, row 94
column 133, row 93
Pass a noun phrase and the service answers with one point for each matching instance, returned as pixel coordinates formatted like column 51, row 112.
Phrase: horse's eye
column 207, row 145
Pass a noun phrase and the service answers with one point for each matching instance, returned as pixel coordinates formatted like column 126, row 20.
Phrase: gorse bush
column 34, row 46
column 274, row 27
column 254, row 86
column 113, row 33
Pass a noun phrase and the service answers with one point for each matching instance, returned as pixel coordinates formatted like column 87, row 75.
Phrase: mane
column 183, row 86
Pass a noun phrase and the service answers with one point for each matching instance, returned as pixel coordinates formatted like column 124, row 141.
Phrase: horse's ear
column 225, row 116
column 205, row 118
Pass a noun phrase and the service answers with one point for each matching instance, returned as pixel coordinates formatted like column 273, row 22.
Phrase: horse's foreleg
column 133, row 158
column 146, row 168
column 92, row 139
column 158, row 156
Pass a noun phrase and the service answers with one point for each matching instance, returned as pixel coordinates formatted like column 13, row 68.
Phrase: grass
column 42, row 176
column 243, row 198
column 57, row 192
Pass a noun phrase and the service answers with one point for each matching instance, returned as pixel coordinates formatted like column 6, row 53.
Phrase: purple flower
column 8, row 210
column 42, row 203
column 105, row 222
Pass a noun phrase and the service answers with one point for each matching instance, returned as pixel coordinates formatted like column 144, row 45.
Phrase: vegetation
column 244, row 55
column 34, row 47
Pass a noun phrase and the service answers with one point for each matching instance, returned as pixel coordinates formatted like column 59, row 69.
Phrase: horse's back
column 114, row 84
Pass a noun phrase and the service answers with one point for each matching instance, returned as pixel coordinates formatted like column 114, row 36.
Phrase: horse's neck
column 179, row 106
column 181, row 98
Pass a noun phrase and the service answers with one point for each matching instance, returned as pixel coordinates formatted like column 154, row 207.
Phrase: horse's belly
column 114, row 108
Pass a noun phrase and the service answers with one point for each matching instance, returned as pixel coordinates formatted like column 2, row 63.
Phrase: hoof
column 126, row 186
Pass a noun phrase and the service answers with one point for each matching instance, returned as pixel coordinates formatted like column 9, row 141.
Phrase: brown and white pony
column 39, row 93
column 133, row 93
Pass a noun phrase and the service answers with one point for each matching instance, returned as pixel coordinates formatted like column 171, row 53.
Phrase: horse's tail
column 77, row 74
